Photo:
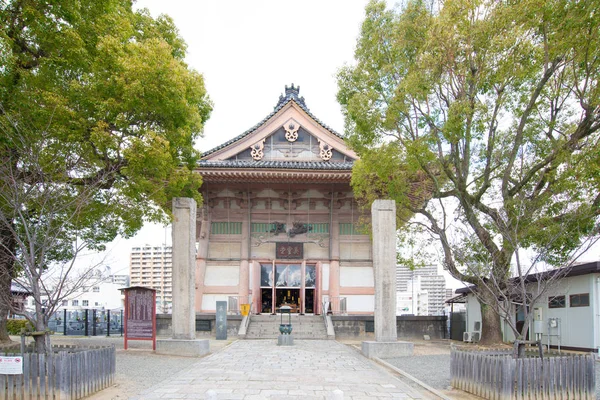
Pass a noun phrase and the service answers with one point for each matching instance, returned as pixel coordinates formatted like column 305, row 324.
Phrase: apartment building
column 150, row 266
column 430, row 282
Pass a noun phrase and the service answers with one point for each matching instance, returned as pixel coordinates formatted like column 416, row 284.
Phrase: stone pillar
column 183, row 341
column 184, row 268
column 383, row 214
column 383, row 219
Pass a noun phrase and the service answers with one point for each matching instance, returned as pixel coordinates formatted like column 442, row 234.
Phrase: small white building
column 568, row 315
column 100, row 295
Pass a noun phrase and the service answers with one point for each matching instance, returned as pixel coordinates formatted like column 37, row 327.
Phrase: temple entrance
column 290, row 285
column 288, row 297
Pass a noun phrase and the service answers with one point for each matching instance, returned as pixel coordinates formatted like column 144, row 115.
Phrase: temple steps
column 304, row 327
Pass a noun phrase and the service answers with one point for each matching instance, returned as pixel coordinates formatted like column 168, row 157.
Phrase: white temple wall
column 221, row 275
column 360, row 303
column 209, row 301
column 356, row 277
column 355, row 251
column 224, row 250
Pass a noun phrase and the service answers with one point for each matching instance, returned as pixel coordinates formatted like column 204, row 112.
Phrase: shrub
column 14, row 326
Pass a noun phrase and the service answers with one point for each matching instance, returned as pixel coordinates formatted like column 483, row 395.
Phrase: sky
column 248, row 51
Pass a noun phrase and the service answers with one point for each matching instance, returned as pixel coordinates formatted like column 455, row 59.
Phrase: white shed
column 567, row 315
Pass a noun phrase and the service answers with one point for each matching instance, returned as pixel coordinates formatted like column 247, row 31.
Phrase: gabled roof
column 575, row 270
column 292, row 94
column 289, row 145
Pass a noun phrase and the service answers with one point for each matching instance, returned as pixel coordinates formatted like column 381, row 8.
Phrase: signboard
column 140, row 314
column 11, row 365
column 289, row 251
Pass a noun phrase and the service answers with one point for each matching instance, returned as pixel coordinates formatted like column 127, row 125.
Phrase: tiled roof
column 291, row 94
column 340, row 166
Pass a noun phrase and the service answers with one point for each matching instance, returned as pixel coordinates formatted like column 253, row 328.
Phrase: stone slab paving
column 259, row 369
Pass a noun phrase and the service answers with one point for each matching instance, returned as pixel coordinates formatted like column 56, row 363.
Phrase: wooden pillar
column 203, row 230
column 334, row 262
column 256, row 286
column 244, row 266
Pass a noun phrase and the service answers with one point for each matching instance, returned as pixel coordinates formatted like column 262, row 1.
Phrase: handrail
column 336, row 306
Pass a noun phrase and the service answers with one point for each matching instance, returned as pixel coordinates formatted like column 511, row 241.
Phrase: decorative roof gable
column 290, row 134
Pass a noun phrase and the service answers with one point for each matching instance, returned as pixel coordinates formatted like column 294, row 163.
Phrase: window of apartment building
column 85, row 303
column 75, row 303
column 579, row 300
column 96, row 289
column 96, row 304
column 557, row 302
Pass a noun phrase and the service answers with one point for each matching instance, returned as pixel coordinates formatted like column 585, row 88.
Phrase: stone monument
column 221, row 319
column 383, row 215
column 183, row 341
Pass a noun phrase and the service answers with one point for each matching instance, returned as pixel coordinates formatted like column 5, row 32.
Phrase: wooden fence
column 499, row 376
column 69, row 373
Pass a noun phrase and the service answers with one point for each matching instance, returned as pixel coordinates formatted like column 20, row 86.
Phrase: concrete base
column 285, row 340
column 387, row 349
column 181, row 347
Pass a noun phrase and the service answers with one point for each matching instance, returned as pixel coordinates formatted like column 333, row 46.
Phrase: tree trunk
column 7, row 248
column 490, row 320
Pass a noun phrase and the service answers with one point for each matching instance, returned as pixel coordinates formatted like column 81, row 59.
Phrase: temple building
column 279, row 224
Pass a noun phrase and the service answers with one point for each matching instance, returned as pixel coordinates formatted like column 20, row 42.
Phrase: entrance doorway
column 290, row 284
column 288, row 297
column 309, row 301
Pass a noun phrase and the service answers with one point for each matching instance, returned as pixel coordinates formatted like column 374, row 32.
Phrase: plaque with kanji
column 140, row 314
column 289, row 251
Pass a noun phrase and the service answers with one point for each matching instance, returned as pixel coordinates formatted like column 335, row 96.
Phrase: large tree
column 103, row 91
column 481, row 118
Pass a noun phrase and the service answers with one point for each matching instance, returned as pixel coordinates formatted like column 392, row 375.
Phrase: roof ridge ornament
column 291, row 92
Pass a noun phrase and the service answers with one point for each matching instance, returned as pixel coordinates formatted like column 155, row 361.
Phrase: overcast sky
column 248, row 51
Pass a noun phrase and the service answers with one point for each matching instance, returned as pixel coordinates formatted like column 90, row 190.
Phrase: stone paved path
column 259, row 369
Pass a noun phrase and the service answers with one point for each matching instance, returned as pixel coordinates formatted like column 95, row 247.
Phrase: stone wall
column 163, row 325
column 408, row 327
column 346, row 327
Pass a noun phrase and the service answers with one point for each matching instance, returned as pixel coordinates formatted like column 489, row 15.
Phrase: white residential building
column 99, row 294
column 430, row 282
column 150, row 266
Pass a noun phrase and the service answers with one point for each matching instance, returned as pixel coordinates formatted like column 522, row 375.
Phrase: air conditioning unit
column 471, row 337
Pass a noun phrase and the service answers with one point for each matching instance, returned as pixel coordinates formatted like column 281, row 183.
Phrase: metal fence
column 68, row 373
column 234, row 304
column 500, row 376
column 87, row 322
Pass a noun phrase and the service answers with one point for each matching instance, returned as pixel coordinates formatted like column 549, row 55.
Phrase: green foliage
column 104, row 92
column 98, row 117
column 481, row 119
column 496, row 105
column 16, row 326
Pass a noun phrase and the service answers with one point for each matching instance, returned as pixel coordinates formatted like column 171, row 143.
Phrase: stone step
column 304, row 326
